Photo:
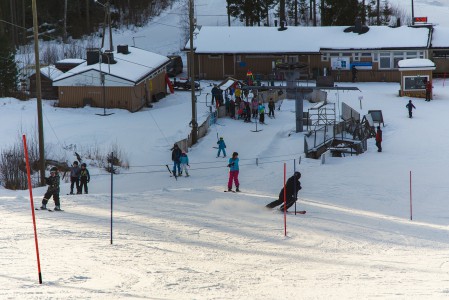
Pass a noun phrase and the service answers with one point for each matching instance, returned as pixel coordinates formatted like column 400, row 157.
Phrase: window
column 384, row 60
column 238, row 58
column 375, row 56
column 292, row 59
column 215, row 56
column 357, row 56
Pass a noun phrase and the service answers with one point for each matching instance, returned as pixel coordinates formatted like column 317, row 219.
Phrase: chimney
column 358, row 25
column 107, row 57
column 123, row 49
column 92, row 56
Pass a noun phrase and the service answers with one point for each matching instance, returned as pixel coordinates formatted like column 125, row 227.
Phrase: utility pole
column 38, row 95
column 413, row 14
column 229, row 15
column 194, row 133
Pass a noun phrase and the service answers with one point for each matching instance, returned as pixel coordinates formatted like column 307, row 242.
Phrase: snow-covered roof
column 305, row 39
column 132, row 67
column 416, row 64
column 51, row 72
column 71, row 61
column 440, row 37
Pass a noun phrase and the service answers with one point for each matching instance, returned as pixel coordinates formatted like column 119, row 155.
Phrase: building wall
column 213, row 67
column 48, row 92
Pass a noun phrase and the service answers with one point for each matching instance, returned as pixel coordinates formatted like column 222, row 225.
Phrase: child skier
column 184, row 163
column 261, row 113
column 84, row 178
column 75, row 177
column 221, row 147
column 234, row 172
column 53, row 189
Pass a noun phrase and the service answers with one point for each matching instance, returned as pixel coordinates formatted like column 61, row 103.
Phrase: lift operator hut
column 414, row 73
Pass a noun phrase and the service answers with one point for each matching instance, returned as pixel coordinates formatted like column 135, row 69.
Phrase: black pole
column 112, row 189
column 294, row 191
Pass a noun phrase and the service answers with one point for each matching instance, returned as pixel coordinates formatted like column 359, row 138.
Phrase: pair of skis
column 47, row 209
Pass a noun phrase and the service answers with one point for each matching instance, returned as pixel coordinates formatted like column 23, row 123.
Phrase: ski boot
column 57, row 208
column 237, row 189
column 44, row 206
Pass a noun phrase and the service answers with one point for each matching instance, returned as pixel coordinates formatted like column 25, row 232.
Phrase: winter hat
column 83, row 165
column 75, row 162
column 53, row 170
column 221, row 138
column 297, row 175
column 235, row 154
column 175, row 145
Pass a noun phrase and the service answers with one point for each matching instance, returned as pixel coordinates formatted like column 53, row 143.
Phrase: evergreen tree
column 303, row 11
column 248, row 11
column 340, row 12
column 8, row 68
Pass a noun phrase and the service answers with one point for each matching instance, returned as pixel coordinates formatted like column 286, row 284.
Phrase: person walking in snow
column 233, row 166
column 410, row 106
column 261, row 113
column 292, row 188
column 184, row 159
column 232, row 108
column 271, row 108
column 53, row 189
column 84, row 178
column 379, row 139
column 354, row 73
column 175, row 157
column 221, row 147
column 254, row 107
column 428, row 84
column 75, row 177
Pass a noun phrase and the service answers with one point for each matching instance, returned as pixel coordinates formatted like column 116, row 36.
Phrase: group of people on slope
column 180, row 161
column 78, row 176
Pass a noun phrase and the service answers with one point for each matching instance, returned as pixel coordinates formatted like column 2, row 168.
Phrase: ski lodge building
column 375, row 51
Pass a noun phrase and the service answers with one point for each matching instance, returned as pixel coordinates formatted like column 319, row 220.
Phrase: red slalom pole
column 285, row 203
column 30, row 187
column 411, row 206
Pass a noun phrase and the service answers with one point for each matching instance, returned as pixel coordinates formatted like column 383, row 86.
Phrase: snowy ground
column 187, row 239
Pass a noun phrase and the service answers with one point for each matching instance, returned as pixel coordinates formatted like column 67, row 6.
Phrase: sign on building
column 340, row 63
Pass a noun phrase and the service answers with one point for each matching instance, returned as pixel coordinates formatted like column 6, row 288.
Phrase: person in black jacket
column 52, row 190
column 292, row 187
column 84, row 178
column 176, row 158
column 410, row 107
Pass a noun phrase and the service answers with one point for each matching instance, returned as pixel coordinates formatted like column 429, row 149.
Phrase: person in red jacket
column 379, row 139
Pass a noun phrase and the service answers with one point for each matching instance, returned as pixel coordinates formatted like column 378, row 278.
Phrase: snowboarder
column 221, row 147
column 53, row 189
column 84, row 178
column 175, row 157
column 184, row 159
column 234, row 172
column 292, row 188
column 379, row 139
column 410, row 106
column 271, row 108
column 75, row 177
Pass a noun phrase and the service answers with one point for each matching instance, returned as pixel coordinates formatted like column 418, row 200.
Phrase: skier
column 379, row 139
column 221, row 147
column 254, row 106
column 75, row 177
column 175, row 156
column 261, row 113
column 410, row 106
column 53, row 189
column 354, row 73
column 184, row 159
column 271, row 108
column 234, row 172
column 292, row 188
column 84, row 178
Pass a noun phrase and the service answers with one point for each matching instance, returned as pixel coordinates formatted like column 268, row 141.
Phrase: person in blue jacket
column 184, row 159
column 234, row 172
column 221, row 147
